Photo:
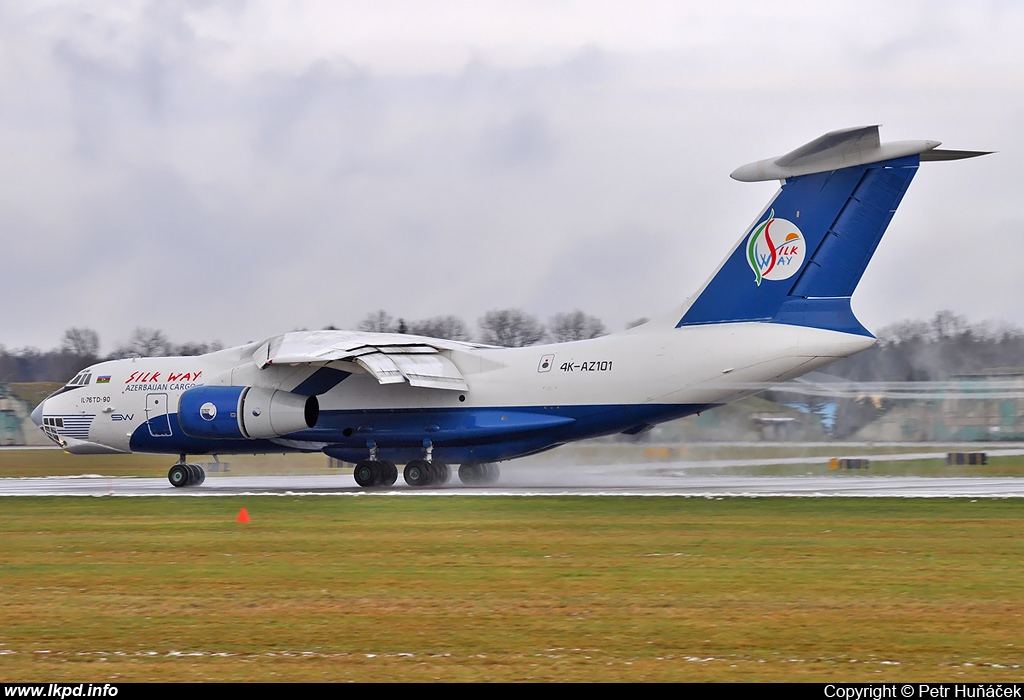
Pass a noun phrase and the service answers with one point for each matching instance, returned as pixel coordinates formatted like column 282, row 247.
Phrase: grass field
column 378, row 588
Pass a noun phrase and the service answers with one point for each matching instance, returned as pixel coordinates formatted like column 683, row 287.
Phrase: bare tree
column 145, row 342
column 949, row 325
column 637, row 322
column 513, row 328
column 82, row 343
column 944, row 346
column 906, row 332
column 193, row 348
column 450, row 327
column 575, row 325
column 378, row 322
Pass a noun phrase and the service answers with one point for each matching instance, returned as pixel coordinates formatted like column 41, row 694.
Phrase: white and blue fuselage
column 519, row 400
column 777, row 307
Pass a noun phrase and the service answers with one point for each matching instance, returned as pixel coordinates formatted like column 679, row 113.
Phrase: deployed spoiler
column 843, row 149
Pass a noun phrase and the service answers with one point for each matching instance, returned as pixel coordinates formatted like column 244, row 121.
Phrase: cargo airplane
column 778, row 306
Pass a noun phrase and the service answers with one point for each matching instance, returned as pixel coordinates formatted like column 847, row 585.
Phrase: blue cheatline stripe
column 464, row 434
column 842, row 216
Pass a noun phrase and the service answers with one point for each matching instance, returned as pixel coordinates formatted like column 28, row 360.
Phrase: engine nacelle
column 244, row 413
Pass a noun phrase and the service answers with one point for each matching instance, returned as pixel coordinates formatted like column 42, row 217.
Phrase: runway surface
column 615, row 480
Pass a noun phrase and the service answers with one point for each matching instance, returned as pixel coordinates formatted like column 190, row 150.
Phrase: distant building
column 987, row 406
column 984, row 405
column 16, row 426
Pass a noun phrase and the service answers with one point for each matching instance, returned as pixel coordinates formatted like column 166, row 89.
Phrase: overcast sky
column 231, row 170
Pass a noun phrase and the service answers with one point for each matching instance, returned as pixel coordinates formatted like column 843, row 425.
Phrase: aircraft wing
column 391, row 358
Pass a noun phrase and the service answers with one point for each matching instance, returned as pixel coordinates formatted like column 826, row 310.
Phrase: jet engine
column 242, row 412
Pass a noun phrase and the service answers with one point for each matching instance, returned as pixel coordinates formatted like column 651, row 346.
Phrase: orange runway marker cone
column 243, row 516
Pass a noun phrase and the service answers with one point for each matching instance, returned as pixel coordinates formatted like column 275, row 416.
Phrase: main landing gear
column 182, row 474
column 420, row 473
column 427, row 471
column 479, row 474
column 372, row 472
column 417, row 473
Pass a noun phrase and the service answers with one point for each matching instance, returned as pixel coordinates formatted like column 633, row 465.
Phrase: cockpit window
column 81, row 379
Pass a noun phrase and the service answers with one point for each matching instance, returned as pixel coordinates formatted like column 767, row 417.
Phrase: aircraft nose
column 37, row 415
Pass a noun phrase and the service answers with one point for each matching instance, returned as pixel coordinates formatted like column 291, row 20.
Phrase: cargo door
column 157, row 419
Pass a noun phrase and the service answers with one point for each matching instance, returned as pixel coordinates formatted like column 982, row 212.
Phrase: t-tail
column 800, row 262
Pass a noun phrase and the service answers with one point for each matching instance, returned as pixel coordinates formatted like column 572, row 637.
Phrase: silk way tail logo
column 775, row 250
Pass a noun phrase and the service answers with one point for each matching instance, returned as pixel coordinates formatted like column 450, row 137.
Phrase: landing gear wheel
column 479, row 474
column 418, row 473
column 388, row 473
column 202, row 475
column 367, row 473
column 442, row 473
column 179, row 475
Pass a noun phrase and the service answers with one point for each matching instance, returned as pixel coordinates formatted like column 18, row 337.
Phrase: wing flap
column 430, row 371
column 382, row 367
column 407, row 349
column 390, row 358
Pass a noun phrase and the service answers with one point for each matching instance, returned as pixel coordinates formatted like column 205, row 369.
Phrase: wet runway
column 614, row 480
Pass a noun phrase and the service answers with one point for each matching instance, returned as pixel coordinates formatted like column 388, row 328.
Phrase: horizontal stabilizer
column 845, row 148
column 949, row 154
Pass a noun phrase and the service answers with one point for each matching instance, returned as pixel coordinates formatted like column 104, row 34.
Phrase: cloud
column 231, row 170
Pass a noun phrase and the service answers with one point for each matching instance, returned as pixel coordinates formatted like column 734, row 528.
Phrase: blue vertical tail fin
column 800, row 262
